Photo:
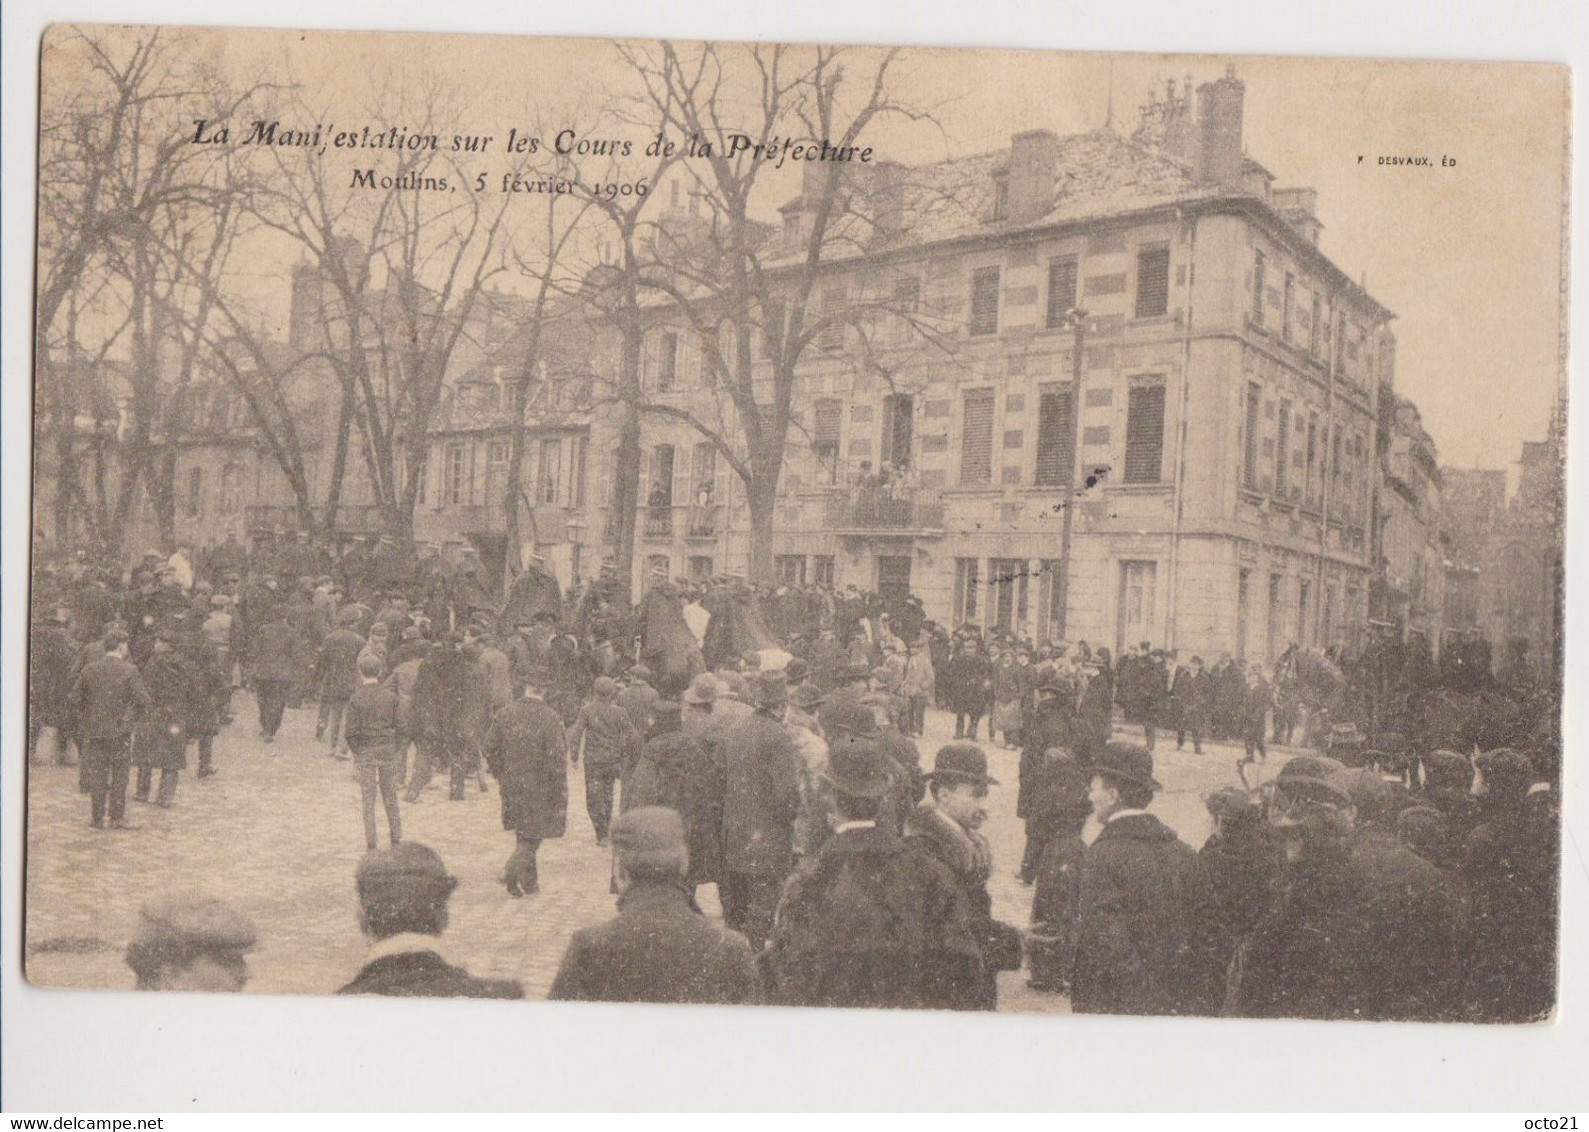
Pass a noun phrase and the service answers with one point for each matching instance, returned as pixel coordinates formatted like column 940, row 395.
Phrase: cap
column 848, row 716
column 604, row 687
column 1315, row 778
column 369, row 664
column 796, row 670
column 650, row 839
column 640, row 672
column 702, row 689
column 961, row 762
column 193, row 923
column 409, row 865
column 855, row 767
column 807, row 696
column 769, row 689
column 1232, row 802
column 1126, row 762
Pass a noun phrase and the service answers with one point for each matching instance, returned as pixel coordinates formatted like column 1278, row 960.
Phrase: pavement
column 278, row 832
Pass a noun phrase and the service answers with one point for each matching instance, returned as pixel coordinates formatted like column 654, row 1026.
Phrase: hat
column 666, row 707
column 733, row 685
column 1231, row 802
column 650, row 839
column 193, row 924
column 807, row 696
column 1315, row 778
column 855, row 767
column 408, row 865
column 1126, row 762
column 769, row 689
column 639, row 672
column 1506, row 772
column 1423, row 829
column 796, row 670
column 750, row 660
column 369, row 664
column 604, row 687
column 702, row 690
column 1448, row 770
column 853, row 672
column 961, row 762
column 847, row 716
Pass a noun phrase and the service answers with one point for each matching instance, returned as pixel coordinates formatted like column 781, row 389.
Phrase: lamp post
column 1077, row 319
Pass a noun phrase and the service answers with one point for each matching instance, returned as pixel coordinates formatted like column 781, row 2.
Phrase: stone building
column 1210, row 424
column 1409, row 590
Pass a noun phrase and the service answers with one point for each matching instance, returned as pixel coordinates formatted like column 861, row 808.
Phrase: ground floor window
column 791, row 569
column 893, row 575
column 701, row 566
column 967, row 578
column 1138, row 602
column 1007, row 605
column 822, row 569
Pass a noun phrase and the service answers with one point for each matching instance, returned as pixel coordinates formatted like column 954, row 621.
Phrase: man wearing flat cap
column 190, row 942
column 947, row 827
column 403, row 895
column 659, row 948
column 870, row 920
column 1144, row 939
column 605, row 734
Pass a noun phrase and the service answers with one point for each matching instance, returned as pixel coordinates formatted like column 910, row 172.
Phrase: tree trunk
column 762, row 498
column 626, row 467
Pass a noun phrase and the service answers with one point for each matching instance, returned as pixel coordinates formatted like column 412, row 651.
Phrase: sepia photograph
column 743, row 524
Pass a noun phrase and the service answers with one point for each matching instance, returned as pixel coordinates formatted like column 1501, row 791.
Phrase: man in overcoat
column 659, row 948
column 109, row 700
column 761, row 801
column 526, row 751
column 1142, row 935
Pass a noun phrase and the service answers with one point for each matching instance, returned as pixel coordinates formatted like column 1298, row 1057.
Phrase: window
column 831, row 336
column 791, row 227
column 231, row 489
column 899, row 419
column 658, row 564
column 984, row 301
column 976, row 437
column 1276, row 613
column 196, row 493
column 1288, row 300
column 700, row 566
column 1056, row 437
column 422, row 474
column 893, row 576
column 667, row 363
column 1283, row 450
column 1315, row 326
column 828, row 415
column 1250, row 440
column 1257, row 288
column 579, row 454
column 1061, row 290
column 1153, row 281
column 550, row 471
column 965, row 600
column 1243, row 611
column 1051, row 612
column 1312, row 459
column 660, row 491
column 1007, row 605
column 822, row 569
column 1145, row 432
column 456, row 491
column 1304, row 607
column 1001, row 198
column 791, row 569
column 1137, row 614
column 907, row 298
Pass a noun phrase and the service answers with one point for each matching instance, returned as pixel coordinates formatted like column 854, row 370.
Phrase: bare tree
column 732, row 278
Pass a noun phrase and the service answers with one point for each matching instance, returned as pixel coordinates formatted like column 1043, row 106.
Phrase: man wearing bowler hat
column 947, row 827
column 191, row 942
column 1143, row 935
column 869, row 920
column 659, row 948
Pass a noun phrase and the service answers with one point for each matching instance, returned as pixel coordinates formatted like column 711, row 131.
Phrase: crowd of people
column 781, row 764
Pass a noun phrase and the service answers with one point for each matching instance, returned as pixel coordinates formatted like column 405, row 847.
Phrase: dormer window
column 791, row 227
column 1001, row 197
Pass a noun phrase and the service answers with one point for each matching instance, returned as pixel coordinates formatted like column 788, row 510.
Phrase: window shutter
column 1145, row 433
column 1061, row 289
column 1250, row 462
column 1153, row 282
column 832, row 336
column 1056, row 452
column 976, row 446
column 985, row 301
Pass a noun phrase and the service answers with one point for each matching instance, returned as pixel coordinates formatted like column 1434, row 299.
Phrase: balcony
column 691, row 521
column 352, row 518
column 885, row 510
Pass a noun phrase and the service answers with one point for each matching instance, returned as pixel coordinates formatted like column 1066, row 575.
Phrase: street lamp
column 1076, row 319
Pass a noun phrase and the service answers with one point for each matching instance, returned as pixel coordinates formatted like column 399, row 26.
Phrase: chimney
column 1296, row 208
column 1030, row 177
column 887, row 203
column 1219, row 105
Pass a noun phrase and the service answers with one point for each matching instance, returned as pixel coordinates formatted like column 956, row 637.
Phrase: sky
column 1468, row 255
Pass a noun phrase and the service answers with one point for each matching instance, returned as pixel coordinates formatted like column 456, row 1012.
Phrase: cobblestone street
column 278, row 831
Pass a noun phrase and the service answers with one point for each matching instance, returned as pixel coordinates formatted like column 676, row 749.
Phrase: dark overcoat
column 527, row 753
column 424, row 974
column 1142, row 939
column 162, row 736
column 277, row 653
column 871, row 921
column 657, row 949
column 761, row 797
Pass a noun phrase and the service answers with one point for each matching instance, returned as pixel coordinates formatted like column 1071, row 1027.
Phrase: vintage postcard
column 797, row 525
